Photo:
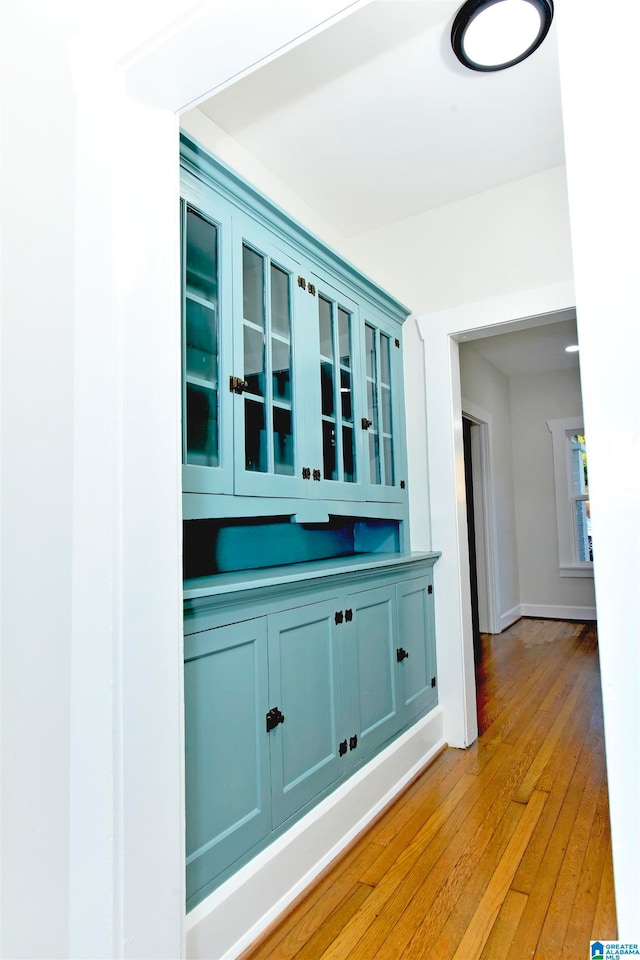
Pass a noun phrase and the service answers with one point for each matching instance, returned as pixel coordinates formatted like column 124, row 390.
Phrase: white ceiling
column 539, row 349
column 374, row 119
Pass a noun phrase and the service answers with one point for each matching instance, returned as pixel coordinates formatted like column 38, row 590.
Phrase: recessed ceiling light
column 495, row 34
column 572, row 349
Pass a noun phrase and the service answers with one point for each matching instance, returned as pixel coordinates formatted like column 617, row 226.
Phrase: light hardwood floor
column 499, row 852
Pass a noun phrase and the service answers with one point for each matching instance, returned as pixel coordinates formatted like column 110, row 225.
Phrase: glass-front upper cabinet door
column 338, row 455
column 206, row 437
column 382, row 423
column 266, row 380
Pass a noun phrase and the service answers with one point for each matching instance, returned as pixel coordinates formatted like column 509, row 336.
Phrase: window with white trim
column 573, row 513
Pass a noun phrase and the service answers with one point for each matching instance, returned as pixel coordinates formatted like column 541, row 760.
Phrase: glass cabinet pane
column 200, row 339
column 255, row 439
column 268, row 372
column 254, row 361
column 252, row 286
column 201, row 255
column 336, row 391
column 202, row 426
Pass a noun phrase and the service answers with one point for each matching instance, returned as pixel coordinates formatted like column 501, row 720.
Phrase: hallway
column 499, row 852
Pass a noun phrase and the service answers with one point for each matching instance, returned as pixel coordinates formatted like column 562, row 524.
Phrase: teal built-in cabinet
column 309, row 627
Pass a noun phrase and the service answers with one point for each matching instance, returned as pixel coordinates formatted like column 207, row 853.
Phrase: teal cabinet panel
column 418, row 680
column 372, row 687
column 292, row 377
column 226, row 748
column 304, row 683
column 315, row 647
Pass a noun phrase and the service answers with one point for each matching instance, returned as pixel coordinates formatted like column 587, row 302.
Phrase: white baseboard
column 557, row 611
column 231, row 918
column 506, row 619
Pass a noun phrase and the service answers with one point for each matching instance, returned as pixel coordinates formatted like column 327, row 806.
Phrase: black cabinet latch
column 237, row 384
column 348, row 615
column 274, row 717
column 339, row 617
column 401, row 654
column 366, row 423
column 353, row 742
column 342, row 749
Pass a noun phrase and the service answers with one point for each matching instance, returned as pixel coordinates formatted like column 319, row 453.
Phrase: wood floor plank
column 443, row 924
column 550, row 743
column 499, row 852
column 559, row 814
column 604, row 925
column 553, row 932
column 541, row 887
column 503, row 931
column 299, row 925
column 477, row 933
column 586, row 898
column 326, row 933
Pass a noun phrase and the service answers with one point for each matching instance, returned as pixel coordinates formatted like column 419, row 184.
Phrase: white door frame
column 440, row 333
column 485, row 516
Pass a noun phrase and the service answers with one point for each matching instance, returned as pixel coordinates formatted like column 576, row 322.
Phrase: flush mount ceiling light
column 495, row 34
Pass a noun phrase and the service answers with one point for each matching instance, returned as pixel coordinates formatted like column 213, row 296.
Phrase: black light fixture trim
column 472, row 8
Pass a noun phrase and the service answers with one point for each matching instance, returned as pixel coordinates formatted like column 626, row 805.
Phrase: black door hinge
column 348, row 615
column 366, row 423
column 433, row 681
column 317, row 475
column 274, row 717
column 402, row 484
column 306, row 473
column 430, row 588
column 302, row 283
column 339, row 617
column 353, row 742
column 401, row 654
column 342, row 749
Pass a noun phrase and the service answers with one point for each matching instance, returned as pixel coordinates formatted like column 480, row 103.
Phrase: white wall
column 485, row 386
column 536, row 398
column 515, row 237
column 92, row 819
column 604, row 197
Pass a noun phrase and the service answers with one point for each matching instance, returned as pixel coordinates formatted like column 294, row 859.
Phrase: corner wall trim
column 233, row 916
column 506, row 619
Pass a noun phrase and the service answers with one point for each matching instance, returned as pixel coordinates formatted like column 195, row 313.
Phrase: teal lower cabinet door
column 416, row 636
column 370, row 651
column 305, row 687
column 227, row 749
